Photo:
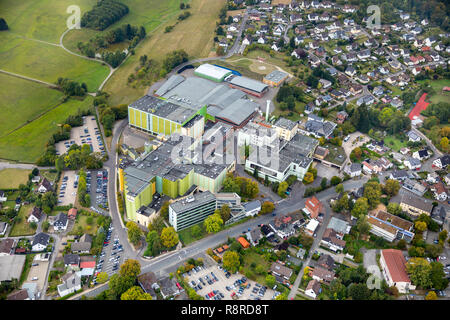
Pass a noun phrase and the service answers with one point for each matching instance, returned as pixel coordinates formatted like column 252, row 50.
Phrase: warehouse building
column 157, row 173
column 213, row 73
column 275, row 78
column 157, row 116
column 222, row 103
column 250, row 86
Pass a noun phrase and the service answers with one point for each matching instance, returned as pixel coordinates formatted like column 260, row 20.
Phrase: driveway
column 370, row 263
column 354, row 142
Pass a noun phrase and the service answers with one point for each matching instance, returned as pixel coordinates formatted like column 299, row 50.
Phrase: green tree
column 231, row 261
column 169, row 237
column 335, row 180
column 225, row 213
column 431, row 295
column 134, row 232
column 438, row 277
column 213, row 223
column 154, row 243
column 135, row 293
column 196, row 231
column 391, row 187
column 102, row 277
column 270, row 280
column 361, row 207
column 420, row 226
column 282, row 187
column 419, row 271
column 339, row 188
column 267, row 207
column 372, row 191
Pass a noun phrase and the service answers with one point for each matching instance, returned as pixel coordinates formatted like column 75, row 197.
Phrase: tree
column 438, row 277
column 372, row 191
column 282, row 187
column 231, row 261
column 339, row 188
column 169, row 237
column 154, row 243
column 358, row 291
column 102, row 277
column 444, row 144
column 431, row 296
column 420, row 226
column 270, row 280
column 391, row 187
column 130, row 268
column 308, row 178
column 134, row 232
column 443, row 236
column 3, row 25
column 361, row 207
column 196, row 231
column 213, row 223
column 394, row 208
column 135, row 293
column 419, row 271
column 33, row 225
column 363, row 225
column 335, row 180
column 323, row 183
column 267, row 207
column 225, row 212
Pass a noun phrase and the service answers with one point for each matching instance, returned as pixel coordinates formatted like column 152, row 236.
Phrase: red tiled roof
column 87, row 264
column 244, row 243
column 420, row 105
column 314, row 206
column 396, row 264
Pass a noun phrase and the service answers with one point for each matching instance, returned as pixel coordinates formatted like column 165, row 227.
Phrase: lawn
column 186, row 236
column 250, row 257
column 437, row 86
column 47, row 62
column 395, row 143
column 27, row 143
column 18, row 108
column 12, row 178
column 194, row 35
column 81, row 221
column 23, row 227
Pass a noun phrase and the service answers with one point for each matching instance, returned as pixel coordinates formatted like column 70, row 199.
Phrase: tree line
column 103, row 14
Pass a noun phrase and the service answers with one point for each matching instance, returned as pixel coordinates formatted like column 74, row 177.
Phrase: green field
column 48, row 62
column 194, row 35
column 23, row 227
column 12, row 178
column 395, row 143
column 438, row 95
column 19, row 108
column 27, row 143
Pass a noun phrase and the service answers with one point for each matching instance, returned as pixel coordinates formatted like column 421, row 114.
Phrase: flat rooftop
column 276, row 76
column 11, row 267
column 192, row 201
column 248, row 83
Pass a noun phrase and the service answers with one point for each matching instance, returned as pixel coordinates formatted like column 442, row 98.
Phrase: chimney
column 267, row 110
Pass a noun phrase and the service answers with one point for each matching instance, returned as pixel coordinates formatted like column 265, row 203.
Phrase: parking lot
column 68, row 188
column 214, row 283
column 111, row 256
column 99, row 191
column 38, row 272
column 88, row 133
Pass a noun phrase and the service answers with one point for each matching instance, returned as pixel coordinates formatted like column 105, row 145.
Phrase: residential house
column 7, row 247
column 281, row 271
column 421, row 154
column 412, row 136
column 341, row 116
column 439, row 215
column 412, row 163
column 399, row 175
column 442, row 162
column 35, row 215
column 3, row 196
column 326, row 261
column 322, row 275
column 40, row 242
column 61, row 222
column 45, row 186
column 148, row 283
column 313, row 207
column 416, row 206
column 439, row 191
column 72, row 260
column 414, row 186
column 254, row 236
column 83, row 245
column 330, row 239
column 313, row 289
column 71, row 283
column 353, row 170
column 169, row 288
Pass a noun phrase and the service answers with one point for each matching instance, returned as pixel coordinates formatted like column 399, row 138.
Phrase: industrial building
column 275, row 78
column 157, row 116
column 191, row 210
column 213, row 73
column 156, row 172
column 222, row 102
column 250, row 86
column 290, row 158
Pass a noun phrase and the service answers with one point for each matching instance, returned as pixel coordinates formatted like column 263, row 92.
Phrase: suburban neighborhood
column 305, row 157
